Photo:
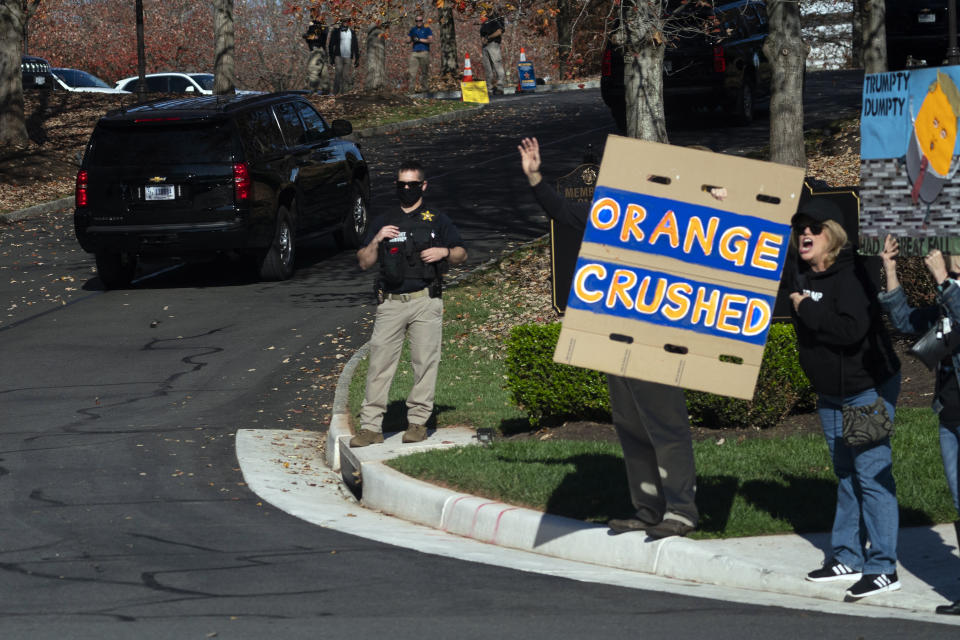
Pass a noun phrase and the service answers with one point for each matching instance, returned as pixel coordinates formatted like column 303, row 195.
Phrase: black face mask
column 409, row 195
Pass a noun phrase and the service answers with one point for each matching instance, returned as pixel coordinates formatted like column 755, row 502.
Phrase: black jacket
column 334, row 45
column 843, row 345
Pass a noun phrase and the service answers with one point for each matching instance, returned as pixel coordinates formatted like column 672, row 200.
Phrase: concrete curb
column 37, row 210
column 704, row 561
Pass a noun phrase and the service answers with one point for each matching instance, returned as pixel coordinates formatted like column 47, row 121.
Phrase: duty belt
column 407, row 297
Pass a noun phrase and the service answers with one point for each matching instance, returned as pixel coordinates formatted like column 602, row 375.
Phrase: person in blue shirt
column 420, row 38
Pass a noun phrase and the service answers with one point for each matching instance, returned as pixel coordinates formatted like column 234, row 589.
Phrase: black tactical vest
column 400, row 257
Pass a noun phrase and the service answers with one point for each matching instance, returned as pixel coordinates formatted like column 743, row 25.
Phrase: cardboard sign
column 528, row 80
column 576, row 186
column 672, row 285
column 909, row 160
column 475, row 91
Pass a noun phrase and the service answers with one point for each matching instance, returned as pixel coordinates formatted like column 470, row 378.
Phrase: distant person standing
column 345, row 54
column 420, row 37
column 491, row 32
column 318, row 62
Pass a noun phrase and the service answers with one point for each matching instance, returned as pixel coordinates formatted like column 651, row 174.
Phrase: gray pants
column 420, row 319
column 654, row 430
column 493, row 66
column 343, row 74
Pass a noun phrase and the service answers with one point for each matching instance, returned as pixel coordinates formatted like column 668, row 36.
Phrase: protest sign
column 672, row 285
column 908, row 160
column 528, row 79
column 475, row 91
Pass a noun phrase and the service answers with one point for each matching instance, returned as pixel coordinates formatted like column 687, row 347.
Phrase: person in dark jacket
column 849, row 359
column 946, row 392
column 650, row 419
column 344, row 48
column 318, row 62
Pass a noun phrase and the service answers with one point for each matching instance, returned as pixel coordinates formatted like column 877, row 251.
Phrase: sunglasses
column 816, row 228
column 410, row 185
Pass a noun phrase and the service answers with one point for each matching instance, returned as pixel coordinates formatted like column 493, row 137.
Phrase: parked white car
column 195, row 83
column 78, row 80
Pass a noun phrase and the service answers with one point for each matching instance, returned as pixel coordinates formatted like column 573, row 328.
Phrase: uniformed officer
column 413, row 246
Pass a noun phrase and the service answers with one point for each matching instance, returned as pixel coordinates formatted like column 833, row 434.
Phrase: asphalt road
column 123, row 511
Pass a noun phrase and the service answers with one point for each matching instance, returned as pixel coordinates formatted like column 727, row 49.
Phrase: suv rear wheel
column 116, row 269
column 354, row 226
column 277, row 263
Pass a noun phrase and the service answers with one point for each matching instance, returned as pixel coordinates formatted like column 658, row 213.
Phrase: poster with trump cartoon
column 908, row 160
column 675, row 283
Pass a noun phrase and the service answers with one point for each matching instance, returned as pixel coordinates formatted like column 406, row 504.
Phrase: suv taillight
column 80, row 192
column 241, row 181
column 719, row 62
column 606, row 65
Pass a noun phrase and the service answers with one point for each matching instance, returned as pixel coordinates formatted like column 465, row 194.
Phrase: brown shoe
column 415, row 433
column 669, row 528
column 365, row 437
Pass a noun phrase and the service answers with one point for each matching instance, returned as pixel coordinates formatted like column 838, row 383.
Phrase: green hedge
column 545, row 389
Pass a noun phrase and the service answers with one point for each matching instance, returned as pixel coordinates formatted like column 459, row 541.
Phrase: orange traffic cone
column 467, row 71
column 523, row 56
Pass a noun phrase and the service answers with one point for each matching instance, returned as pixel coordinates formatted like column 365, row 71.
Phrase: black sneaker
column 874, row 583
column 834, row 570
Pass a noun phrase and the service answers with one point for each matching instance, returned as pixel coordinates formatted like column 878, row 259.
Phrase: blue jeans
column 866, row 491
column 949, row 449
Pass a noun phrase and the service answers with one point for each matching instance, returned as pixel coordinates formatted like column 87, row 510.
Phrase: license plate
column 159, row 192
column 926, row 18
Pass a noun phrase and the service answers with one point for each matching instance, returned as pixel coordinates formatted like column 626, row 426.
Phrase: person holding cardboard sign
column 846, row 353
column 650, row 419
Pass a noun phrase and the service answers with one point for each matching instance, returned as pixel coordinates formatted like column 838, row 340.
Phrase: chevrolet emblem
column 158, row 179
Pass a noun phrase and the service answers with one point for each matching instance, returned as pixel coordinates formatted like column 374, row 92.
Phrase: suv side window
column 260, row 133
column 179, row 85
column 314, row 123
column 294, row 133
column 157, row 84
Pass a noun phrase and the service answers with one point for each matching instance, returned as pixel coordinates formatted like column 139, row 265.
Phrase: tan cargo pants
column 421, row 320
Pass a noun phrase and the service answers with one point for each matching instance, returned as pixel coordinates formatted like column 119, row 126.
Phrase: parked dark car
column 250, row 175
column 35, row 73
column 718, row 62
column 917, row 28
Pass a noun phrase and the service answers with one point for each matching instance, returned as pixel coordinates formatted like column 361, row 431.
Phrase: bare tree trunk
column 223, row 66
column 376, row 73
column 566, row 14
column 874, row 36
column 856, row 51
column 13, row 126
column 643, row 71
column 141, row 55
column 787, row 53
column 449, row 64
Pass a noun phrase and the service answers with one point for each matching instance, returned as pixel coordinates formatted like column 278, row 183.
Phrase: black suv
column 719, row 63
column 207, row 174
column 917, row 28
column 35, row 73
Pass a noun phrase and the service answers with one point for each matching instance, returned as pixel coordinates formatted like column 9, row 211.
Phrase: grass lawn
column 753, row 487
